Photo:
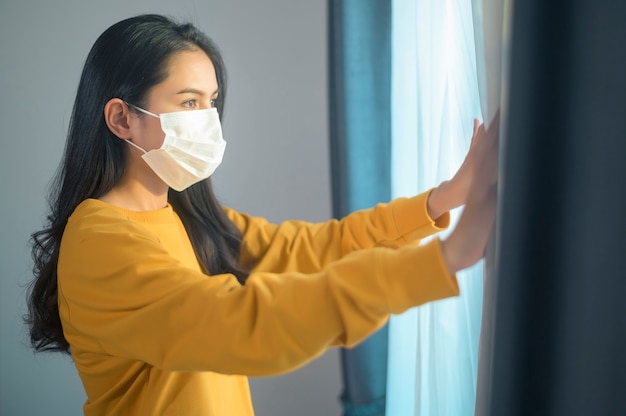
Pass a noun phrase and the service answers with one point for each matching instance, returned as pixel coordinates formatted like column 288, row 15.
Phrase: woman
column 166, row 300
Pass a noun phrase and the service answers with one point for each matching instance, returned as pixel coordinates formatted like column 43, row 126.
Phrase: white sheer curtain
column 433, row 349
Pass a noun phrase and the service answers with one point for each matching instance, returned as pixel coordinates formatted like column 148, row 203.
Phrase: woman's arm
column 308, row 247
column 122, row 294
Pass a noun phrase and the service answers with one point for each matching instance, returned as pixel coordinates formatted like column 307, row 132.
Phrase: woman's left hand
column 467, row 242
column 453, row 193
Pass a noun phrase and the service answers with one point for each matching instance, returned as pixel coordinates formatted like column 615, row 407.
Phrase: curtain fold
column 492, row 36
column 360, row 123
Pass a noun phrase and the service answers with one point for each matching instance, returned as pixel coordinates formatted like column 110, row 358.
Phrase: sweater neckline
column 160, row 215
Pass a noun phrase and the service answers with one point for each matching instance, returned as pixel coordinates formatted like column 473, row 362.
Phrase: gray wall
column 276, row 164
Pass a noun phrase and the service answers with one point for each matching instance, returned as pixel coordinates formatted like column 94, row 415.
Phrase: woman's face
column 191, row 84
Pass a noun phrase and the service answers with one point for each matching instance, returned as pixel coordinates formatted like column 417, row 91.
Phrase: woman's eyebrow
column 195, row 91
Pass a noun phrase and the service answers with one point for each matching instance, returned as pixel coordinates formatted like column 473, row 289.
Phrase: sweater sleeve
column 122, row 294
column 308, row 247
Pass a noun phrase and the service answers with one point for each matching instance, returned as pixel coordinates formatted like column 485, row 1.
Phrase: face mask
column 192, row 149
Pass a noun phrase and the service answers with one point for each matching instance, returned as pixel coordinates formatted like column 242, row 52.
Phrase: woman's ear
column 116, row 115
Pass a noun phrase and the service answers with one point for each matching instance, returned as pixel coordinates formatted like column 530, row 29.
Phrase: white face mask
column 192, row 149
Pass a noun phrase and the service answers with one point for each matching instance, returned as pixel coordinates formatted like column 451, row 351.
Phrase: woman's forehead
column 191, row 72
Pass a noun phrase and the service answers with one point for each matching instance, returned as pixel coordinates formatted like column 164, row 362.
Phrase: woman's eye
column 190, row 103
column 213, row 102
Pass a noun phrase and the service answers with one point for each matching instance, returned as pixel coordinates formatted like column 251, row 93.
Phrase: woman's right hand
column 467, row 242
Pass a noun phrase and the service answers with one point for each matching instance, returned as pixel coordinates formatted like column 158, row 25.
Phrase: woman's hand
column 453, row 193
column 467, row 242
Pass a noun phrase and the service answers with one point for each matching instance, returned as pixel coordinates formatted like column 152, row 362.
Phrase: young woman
column 167, row 300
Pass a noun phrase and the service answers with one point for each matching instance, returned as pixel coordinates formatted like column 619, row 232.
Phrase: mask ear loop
column 142, row 110
column 136, row 145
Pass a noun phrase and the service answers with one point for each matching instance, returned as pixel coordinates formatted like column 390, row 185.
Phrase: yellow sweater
column 151, row 334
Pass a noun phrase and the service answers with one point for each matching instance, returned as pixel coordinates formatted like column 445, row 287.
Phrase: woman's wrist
column 442, row 199
column 449, row 256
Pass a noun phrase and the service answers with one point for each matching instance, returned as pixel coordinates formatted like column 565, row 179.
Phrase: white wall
column 276, row 163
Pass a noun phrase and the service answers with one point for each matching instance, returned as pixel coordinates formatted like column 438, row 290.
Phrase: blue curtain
column 360, row 120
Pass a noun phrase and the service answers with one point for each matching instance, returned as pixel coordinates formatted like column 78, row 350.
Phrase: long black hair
column 126, row 61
